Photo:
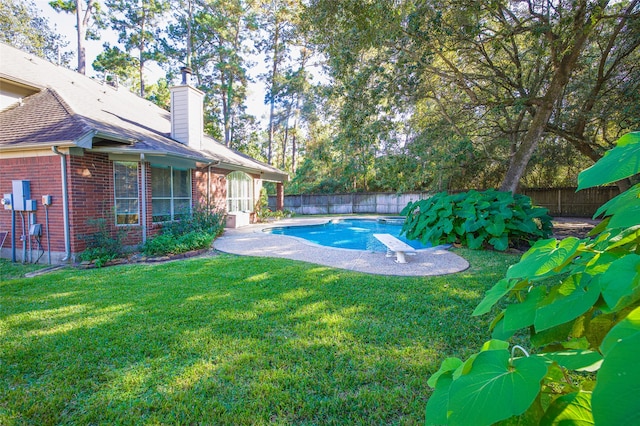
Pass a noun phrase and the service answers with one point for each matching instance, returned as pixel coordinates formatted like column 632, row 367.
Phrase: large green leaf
column 629, row 235
column 579, row 360
column 500, row 243
column 544, row 257
column 621, row 282
column 520, row 315
column 552, row 335
column 475, row 242
column 494, row 390
column 624, row 329
column 577, row 294
column 621, row 162
column 448, row 365
column 496, row 293
column 620, row 204
column 499, row 330
column 436, row 412
column 629, row 216
column 497, row 227
column 616, row 397
column 572, row 409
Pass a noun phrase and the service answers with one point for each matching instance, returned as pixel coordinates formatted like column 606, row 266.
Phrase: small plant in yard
column 104, row 244
column 263, row 211
column 477, row 219
column 579, row 299
column 194, row 231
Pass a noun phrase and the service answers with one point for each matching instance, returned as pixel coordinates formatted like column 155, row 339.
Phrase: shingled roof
column 49, row 120
column 71, row 109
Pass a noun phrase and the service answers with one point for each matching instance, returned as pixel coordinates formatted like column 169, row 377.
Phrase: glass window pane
column 161, row 210
column 181, row 208
column 181, row 183
column 239, row 192
column 160, row 182
column 125, row 189
column 126, row 180
column 170, row 193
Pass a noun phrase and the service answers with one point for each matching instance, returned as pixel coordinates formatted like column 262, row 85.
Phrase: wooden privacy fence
column 559, row 201
column 568, row 202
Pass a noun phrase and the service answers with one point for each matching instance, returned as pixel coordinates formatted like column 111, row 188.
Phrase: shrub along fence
column 559, row 201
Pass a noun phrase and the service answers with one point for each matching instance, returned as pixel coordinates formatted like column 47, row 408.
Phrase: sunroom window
column 170, row 193
column 239, row 192
column 125, row 189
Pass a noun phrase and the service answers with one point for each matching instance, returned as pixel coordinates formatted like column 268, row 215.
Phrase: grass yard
column 233, row 340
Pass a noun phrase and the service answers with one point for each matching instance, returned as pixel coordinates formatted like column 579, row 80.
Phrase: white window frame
column 240, row 192
column 172, row 197
column 117, row 214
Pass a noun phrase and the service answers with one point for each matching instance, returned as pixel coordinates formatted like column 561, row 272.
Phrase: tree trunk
column 141, row 48
column 272, row 100
column 82, row 56
column 583, row 25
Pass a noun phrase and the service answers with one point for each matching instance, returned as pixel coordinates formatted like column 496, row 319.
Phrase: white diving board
column 396, row 246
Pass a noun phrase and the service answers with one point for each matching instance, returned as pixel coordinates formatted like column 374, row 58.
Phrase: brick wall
column 45, row 178
column 91, row 198
column 90, row 182
column 210, row 187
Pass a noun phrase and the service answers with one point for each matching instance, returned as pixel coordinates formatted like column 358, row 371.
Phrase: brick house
column 84, row 150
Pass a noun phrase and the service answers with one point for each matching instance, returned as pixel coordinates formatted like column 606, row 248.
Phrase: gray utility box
column 22, row 196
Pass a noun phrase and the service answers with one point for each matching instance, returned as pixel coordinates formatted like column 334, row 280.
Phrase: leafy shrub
column 203, row 218
column 103, row 245
column 175, row 244
column 192, row 232
column 476, row 219
column 579, row 300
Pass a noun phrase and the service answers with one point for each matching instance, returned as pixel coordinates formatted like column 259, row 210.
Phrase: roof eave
column 264, row 174
column 201, row 161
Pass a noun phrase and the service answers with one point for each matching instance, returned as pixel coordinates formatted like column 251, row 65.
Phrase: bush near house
column 192, row 232
column 579, row 302
column 103, row 245
column 477, row 219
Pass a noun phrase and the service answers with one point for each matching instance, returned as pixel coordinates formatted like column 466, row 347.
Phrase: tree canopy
column 412, row 95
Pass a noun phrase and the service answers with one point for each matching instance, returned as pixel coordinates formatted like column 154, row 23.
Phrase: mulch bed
column 138, row 258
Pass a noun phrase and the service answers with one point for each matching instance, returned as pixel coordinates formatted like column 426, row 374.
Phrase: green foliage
column 476, row 219
column 264, row 212
column 175, row 244
column 104, row 244
column 23, row 27
column 193, row 232
column 113, row 62
column 580, row 302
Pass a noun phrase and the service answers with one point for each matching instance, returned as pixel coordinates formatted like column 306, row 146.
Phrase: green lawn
column 233, row 340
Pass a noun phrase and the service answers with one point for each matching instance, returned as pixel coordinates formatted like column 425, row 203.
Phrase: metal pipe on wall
column 143, row 222
column 65, row 203
column 46, row 219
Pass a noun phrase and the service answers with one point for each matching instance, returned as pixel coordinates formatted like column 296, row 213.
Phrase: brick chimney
column 187, row 112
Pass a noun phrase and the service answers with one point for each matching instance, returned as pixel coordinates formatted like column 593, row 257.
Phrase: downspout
column 65, row 203
column 209, row 187
column 143, row 171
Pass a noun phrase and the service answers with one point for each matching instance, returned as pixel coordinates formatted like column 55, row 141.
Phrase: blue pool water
column 355, row 234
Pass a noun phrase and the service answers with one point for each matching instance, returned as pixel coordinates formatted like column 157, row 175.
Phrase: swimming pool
column 353, row 234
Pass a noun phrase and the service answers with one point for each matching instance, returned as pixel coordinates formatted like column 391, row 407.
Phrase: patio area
column 251, row 241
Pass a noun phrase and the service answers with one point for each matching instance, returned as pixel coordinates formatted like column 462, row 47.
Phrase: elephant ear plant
column 477, row 219
column 579, row 302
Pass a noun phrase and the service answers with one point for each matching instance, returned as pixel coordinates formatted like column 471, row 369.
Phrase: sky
column 65, row 24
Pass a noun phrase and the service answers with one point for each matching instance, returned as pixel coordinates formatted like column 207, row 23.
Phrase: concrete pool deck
column 251, row 241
